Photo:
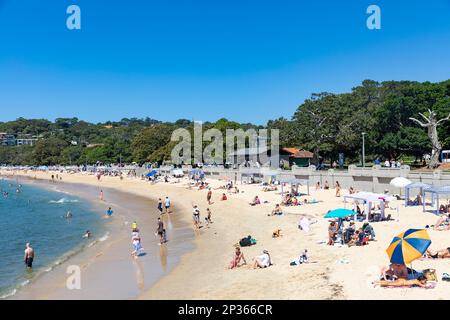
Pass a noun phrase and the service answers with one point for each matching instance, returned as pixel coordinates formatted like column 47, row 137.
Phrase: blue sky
column 245, row 60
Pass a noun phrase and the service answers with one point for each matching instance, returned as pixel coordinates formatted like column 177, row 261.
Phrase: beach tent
column 367, row 198
column 197, row 173
column 270, row 176
column 294, row 182
column 436, row 193
column 178, row 173
column 415, row 185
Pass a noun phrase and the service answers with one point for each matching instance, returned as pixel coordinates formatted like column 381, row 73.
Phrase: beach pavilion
column 436, row 194
column 367, row 198
column 415, row 185
column 294, row 183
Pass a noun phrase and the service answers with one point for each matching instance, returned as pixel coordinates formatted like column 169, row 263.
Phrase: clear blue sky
column 246, row 60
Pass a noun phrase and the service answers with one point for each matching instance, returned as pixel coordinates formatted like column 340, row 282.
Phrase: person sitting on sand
column 351, row 190
column 238, row 256
column 262, row 261
column 443, row 253
column 394, row 271
column 332, row 232
column 318, row 186
column 326, row 185
column 355, row 238
column 224, row 197
column 255, row 201
column 420, row 282
column 368, row 230
column 277, row 210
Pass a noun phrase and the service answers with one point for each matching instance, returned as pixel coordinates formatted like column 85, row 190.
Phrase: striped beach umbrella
column 408, row 246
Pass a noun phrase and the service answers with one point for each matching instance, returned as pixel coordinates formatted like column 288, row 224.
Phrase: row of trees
column 326, row 123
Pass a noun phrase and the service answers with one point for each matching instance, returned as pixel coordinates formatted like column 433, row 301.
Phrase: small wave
column 24, row 283
column 63, row 200
column 9, row 294
column 104, row 238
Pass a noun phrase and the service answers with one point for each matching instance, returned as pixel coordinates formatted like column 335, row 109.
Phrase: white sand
column 203, row 273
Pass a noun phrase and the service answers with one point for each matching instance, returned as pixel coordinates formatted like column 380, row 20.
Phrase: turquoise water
column 36, row 215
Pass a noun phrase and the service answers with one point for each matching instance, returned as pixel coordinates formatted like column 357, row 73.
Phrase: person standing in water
column 101, row 195
column 160, row 206
column 29, row 256
column 109, row 212
column 160, row 231
column 167, row 204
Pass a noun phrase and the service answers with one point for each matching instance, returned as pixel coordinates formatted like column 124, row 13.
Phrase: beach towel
column 304, row 224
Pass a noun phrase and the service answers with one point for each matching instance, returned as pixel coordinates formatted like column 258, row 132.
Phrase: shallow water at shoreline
column 108, row 271
column 36, row 215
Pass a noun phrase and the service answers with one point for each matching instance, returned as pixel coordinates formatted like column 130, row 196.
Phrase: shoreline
column 91, row 258
column 335, row 272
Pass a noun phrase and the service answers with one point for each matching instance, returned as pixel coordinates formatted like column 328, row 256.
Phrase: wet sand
column 107, row 269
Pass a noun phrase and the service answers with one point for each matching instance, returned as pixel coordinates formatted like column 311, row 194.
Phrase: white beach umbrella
column 399, row 182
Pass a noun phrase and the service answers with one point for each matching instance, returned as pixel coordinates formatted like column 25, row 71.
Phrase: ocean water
column 36, row 215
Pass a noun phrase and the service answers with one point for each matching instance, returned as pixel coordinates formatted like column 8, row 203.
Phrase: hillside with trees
column 326, row 124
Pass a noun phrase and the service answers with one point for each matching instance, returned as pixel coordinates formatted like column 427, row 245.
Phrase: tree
column 431, row 123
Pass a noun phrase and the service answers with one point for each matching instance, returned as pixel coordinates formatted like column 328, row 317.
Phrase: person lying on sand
column 443, row 223
column 238, row 256
column 420, row 282
column 443, row 253
column 270, row 188
column 262, row 261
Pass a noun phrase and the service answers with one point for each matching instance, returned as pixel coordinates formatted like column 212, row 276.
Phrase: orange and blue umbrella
column 408, row 246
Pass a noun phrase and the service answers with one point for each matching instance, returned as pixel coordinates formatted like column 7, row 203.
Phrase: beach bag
column 246, row 242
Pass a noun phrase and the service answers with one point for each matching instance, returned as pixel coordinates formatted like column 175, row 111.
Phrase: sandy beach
column 201, row 272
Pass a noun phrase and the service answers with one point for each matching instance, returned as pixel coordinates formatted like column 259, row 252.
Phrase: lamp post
column 363, row 151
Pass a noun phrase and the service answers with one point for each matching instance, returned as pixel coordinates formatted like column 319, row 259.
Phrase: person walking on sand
column 208, row 196
column 167, row 204
column 196, row 216
column 338, row 189
column 29, row 256
column 160, row 231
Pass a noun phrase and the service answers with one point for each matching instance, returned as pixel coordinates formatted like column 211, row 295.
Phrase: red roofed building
column 295, row 156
